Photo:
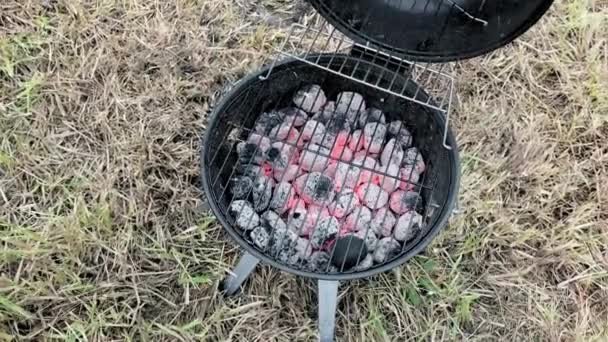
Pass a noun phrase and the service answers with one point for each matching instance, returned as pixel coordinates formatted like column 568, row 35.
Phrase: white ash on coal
column 400, row 133
column 324, row 231
column 260, row 237
column 325, row 169
column 241, row 187
column 373, row 137
column 359, row 219
column 372, row 196
column 371, row 115
column 414, row 158
column 315, row 188
column 386, row 249
column 282, row 198
column 407, row 226
column 262, row 192
column 272, row 221
column 403, row 201
column 246, row 217
column 383, row 222
column 350, row 102
column 267, row 121
column 310, row 98
column 294, row 117
column 346, row 201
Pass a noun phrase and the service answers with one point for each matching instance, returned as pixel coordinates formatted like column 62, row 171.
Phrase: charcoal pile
column 328, row 184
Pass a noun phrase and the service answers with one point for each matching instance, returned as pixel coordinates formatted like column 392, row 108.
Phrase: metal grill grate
column 319, row 36
column 239, row 131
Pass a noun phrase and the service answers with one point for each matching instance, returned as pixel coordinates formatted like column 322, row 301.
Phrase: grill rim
column 442, row 221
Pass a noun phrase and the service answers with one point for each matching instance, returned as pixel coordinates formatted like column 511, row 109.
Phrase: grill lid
column 433, row 30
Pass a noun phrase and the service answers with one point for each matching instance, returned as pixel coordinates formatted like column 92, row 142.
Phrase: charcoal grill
column 415, row 93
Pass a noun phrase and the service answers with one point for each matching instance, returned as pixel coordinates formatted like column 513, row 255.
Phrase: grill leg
column 328, row 300
column 243, row 269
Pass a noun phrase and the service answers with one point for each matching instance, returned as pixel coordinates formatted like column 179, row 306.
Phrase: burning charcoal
column 373, row 196
column 262, row 141
column 387, row 177
column 323, row 231
column 348, row 251
column 272, row 221
column 374, row 134
column 330, row 171
column 284, row 132
column 341, row 152
column 365, row 263
column 280, row 155
column 296, row 220
column 303, row 248
column 338, row 123
column 246, row 217
column 282, row 198
column 355, row 143
column 414, row 158
column 262, row 193
column 350, row 102
column 386, row 249
column 351, row 176
column 310, row 98
column 314, row 158
column 370, row 238
column 359, row 219
column 241, row 187
column 267, row 121
column 371, row 115
column 249, row 153
column 260, row 237
column 283, row 245
column 287, row 174
column 315, row 188
column 318, row 262
column 409, row 178
column 312, row 131
column 392, row 153
column 294, row 116
column 344, row 204
column 314, row 217
column 383, row 222
column 403, row 201
column 407, row 226
column 325, row 114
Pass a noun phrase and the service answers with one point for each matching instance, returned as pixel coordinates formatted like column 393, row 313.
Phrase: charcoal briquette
column 249, row 153
column 371, row 115
column 349, row 101
column 372, row 196
column 392, row 153
column 407, row 226
column 241, row 187
column 386, row 249
column 318, row 262
column 267, row 121
column 366, row 263
column 374, row 134
column 402, row 201
column 303, row 248
column 325, row 230
column 315, row 188
column 245, row 216
column 359, row 219
column 260, row 237
column 272, row 221
column 283, row 195
column 348, row 251
column 413, row 158
column 262, row 193
column 370, row 238
column 383, row 222
column 294, row 116
column 346, row 201
column 310, row 98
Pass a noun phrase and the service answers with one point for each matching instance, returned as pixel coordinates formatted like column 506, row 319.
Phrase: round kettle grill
column 382, row 51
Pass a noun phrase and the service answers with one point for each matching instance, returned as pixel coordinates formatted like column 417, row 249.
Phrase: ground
column 104, row 236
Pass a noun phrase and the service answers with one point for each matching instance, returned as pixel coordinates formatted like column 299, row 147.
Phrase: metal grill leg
column 243, row 269
column 328, row 300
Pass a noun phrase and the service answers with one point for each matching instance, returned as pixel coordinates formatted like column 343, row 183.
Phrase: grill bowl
column 236, row 113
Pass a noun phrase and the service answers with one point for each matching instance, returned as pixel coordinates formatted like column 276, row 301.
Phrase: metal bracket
column 328, row 301
column 241, row 272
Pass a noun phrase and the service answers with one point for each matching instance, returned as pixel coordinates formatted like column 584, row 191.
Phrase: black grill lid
column 433, row 30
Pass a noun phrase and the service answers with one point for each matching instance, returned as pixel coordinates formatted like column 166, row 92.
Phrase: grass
column 103, row 235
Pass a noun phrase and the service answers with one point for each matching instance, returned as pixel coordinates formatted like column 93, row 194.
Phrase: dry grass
column 103, row 233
